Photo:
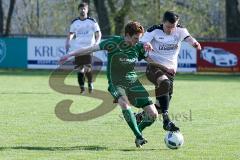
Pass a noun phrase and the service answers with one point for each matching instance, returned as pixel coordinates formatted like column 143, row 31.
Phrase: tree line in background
column 208, row 18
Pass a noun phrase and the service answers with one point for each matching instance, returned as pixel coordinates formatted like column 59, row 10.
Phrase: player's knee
column 123, row 102
column 166, row 84
column 163, row 88
column 161, row 79
column 88, row 70
column 153, row 114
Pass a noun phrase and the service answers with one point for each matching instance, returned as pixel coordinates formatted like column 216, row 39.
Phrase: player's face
column 83, row 11
column 134, row 38
column 169, row 27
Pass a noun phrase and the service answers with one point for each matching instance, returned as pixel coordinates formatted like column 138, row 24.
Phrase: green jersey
column 122, row 59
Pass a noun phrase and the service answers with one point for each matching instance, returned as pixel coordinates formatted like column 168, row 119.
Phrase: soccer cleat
column 170, row 126
column 90, row 90
column 140, row 142
column 139, row 117
column 82, row 90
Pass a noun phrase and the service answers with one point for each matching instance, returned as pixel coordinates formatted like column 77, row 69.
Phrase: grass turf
column 206, row 107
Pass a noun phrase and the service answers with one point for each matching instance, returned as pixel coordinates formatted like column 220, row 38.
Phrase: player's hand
column 147, row 47
column 63, row 59
column 197, row 46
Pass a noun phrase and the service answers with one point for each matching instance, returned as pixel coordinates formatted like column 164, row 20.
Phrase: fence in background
column 44, row 53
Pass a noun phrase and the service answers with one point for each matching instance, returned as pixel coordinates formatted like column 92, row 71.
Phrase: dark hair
column 83, row 4
column 133, row 27
column 170, row 16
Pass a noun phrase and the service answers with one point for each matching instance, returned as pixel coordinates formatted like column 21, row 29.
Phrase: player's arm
column 193, row 42
column 185, row 36
column 146, row 39
column 98, row 36
column 69, row 38
column 149, row 60
column 78, row 52
column 147, row 46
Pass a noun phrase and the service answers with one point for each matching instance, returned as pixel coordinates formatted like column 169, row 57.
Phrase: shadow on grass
column 141, row 149
column 37, row 148
column 25, row 93
column 86, row 148
column 199, row 76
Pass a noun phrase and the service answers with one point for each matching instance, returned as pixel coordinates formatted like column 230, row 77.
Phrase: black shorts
column 153, row 72
column 82, row 60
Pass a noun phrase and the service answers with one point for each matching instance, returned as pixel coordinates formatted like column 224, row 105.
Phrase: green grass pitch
column 206, row 107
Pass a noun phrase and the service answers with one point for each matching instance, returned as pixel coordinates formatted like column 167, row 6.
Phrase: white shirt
column 165, row 47
column 84, row 31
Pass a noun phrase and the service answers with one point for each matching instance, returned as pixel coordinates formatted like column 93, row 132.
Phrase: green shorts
column 136, row 93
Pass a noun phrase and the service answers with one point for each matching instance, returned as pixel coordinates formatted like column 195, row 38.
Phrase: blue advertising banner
column 44, row 53
column 13, row 52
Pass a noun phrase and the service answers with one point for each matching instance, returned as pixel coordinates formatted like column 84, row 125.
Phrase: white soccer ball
column 173, row 140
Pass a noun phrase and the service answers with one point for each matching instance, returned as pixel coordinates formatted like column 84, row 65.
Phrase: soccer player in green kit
column 123, row 83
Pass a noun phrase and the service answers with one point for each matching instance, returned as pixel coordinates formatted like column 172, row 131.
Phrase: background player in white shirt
column 165, row 40
column 84, row 32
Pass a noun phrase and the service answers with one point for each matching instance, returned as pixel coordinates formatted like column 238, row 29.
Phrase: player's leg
column 131, row 121
column 163, row 93
column 120, row 96
column 83, row 61
column 157, row 104
column 88, row 73
column 81, row 78
column 129, row 116
column 150, row 115
column 139, row 98
column 163, row 90
column 79, row 66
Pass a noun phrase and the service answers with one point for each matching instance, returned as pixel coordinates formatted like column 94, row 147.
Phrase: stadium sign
column 2, row 50
column 44, row 53
column 187, row 58
column 219, row 57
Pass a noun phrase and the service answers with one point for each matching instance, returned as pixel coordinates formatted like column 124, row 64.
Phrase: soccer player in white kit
column 84, row 32
column 165, row 40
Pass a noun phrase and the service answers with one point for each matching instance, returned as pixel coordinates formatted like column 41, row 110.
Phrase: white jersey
column 84, row 32
column 165, row 47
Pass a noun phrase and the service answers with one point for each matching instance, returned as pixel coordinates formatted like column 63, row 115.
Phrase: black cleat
column 90, row 90
column 140, row 142
column 82, row 90
column 170, row 126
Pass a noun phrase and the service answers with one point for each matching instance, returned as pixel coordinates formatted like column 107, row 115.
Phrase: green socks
column 147, row 121
column 132, row 123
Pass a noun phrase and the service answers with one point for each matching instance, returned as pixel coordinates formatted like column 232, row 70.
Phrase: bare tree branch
column 9, row 17
column 1, row 18
column 119, row 17
column 103, row 17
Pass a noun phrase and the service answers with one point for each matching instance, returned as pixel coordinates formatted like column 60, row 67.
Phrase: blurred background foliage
column 206, row 18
